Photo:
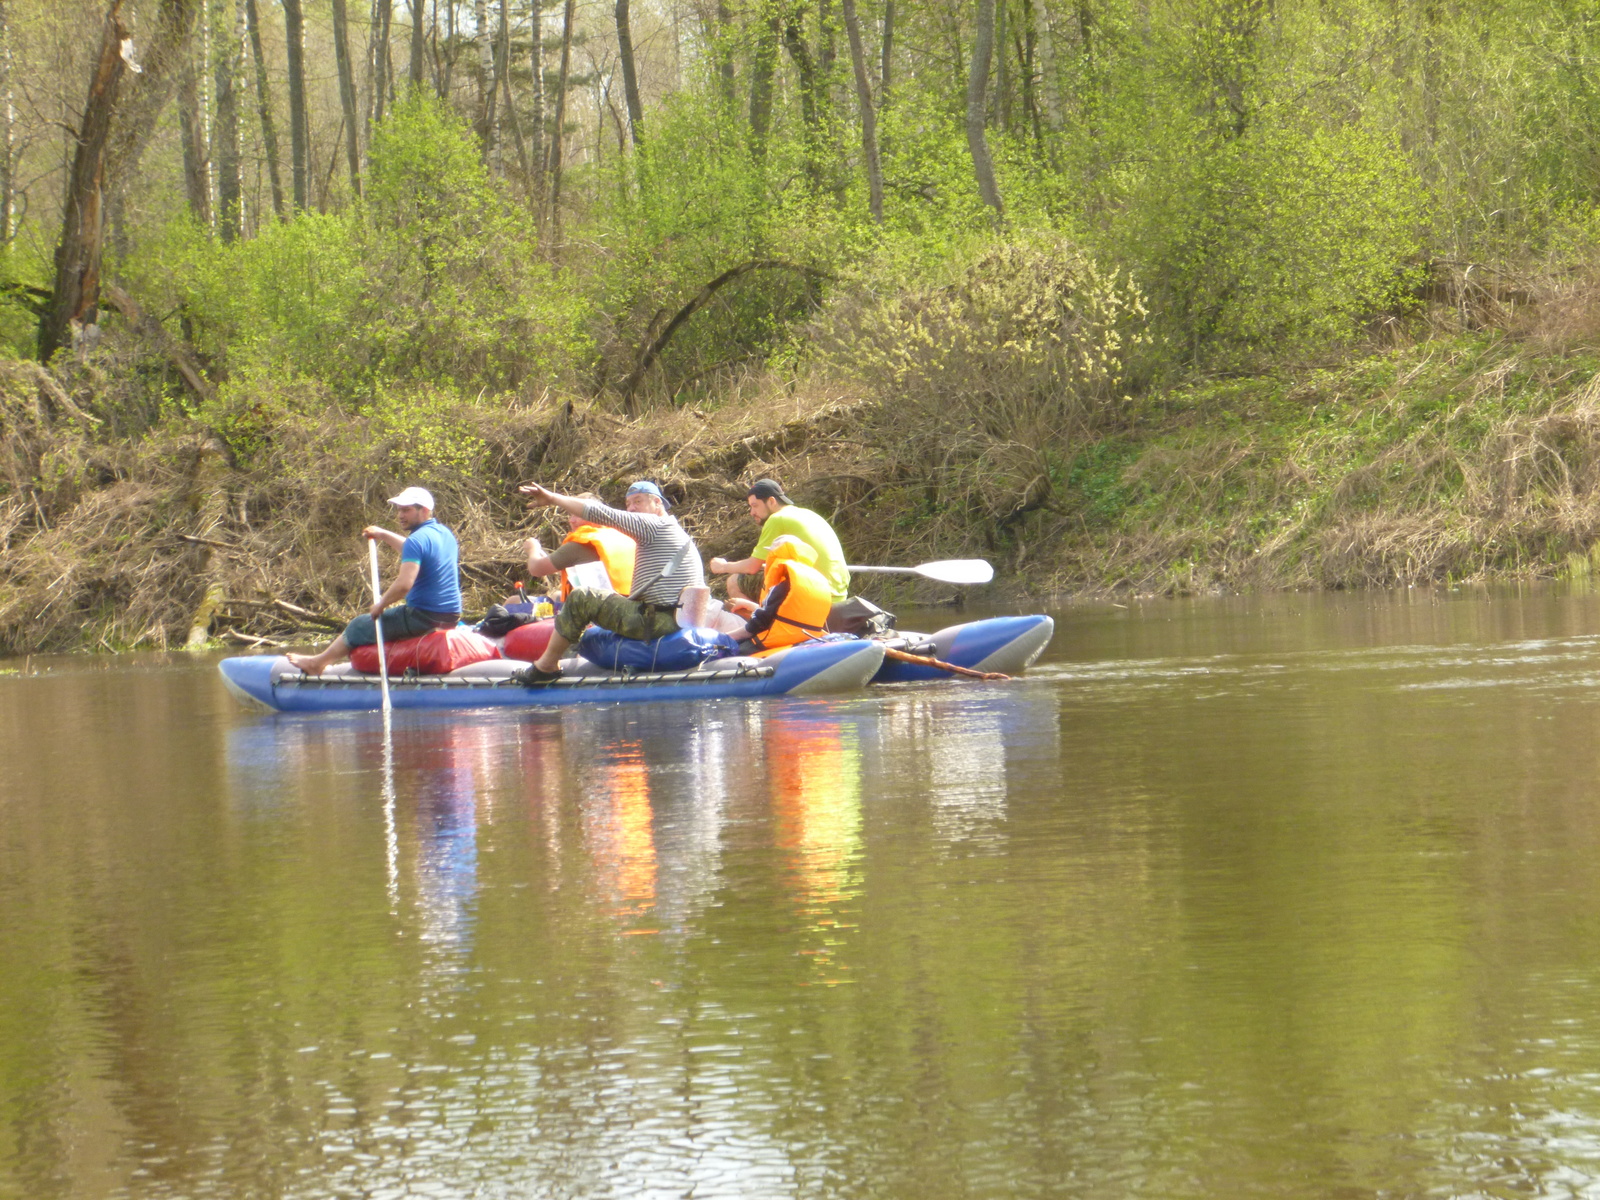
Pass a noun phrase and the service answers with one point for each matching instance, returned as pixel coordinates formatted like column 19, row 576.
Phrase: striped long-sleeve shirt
column 659, row 539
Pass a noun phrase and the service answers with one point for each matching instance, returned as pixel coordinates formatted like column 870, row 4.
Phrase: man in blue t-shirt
column 429, row 582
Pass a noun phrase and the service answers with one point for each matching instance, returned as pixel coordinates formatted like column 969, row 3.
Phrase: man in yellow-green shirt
column 778, row 516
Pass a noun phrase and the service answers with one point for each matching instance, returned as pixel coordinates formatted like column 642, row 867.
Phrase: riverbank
column 1447, row 455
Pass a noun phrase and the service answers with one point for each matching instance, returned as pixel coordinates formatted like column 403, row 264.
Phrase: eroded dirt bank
column 1465, row 456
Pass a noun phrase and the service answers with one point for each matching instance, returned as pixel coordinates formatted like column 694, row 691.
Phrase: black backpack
column 860, row 618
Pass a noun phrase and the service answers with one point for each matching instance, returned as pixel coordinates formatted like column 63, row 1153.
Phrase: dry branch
column 648, row 353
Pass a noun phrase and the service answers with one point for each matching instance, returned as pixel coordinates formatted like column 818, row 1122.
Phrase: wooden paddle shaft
column 923, row 661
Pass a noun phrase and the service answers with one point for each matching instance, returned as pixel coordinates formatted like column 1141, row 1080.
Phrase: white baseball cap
column 414, row 495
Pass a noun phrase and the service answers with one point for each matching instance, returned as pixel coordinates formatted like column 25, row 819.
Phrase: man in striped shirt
column 667, row 562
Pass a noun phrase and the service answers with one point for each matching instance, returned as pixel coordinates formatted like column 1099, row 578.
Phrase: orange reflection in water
column 815, row 773
column 620, row 831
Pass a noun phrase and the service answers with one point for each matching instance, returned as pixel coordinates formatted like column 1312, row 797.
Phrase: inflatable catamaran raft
column 1004, row 644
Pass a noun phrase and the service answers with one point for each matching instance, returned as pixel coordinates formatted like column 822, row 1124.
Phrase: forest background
column 1128, row 295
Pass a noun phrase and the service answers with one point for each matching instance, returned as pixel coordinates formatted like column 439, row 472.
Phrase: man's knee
column 360, row 631
column 579, row 608
column 736, row 587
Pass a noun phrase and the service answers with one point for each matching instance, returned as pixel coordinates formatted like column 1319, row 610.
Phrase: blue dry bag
column 681, row 651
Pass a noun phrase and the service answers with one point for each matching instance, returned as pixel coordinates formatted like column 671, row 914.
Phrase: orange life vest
column 616, row 550
column 805, row 609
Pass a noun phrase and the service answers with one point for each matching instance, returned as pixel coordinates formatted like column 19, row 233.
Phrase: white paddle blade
column 950, row 570
column 957, row 570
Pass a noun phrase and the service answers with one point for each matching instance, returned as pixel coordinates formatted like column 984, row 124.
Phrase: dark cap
column 768, row 489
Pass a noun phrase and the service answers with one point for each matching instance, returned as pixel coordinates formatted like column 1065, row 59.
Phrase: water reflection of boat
column 1005, row 644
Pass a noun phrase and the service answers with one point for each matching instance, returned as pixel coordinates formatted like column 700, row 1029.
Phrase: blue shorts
column 400, row 621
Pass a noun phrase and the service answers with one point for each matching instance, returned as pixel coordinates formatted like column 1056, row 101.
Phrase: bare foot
column 307, row 663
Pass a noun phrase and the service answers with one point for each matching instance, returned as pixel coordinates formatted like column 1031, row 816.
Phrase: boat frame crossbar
column 443, row 682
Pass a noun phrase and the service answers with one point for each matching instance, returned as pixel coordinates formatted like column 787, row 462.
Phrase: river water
column 1294, row 896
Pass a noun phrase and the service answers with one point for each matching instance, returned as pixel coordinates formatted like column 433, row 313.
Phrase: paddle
column 950, row 570
column 377, row 626
column 928, row 661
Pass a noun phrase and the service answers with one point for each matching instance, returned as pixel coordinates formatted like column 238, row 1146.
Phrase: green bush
column 1283, row 238
column 435, row 277
column 988, row 377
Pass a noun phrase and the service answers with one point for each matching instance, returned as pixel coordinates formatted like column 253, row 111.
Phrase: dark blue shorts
column 400, row 621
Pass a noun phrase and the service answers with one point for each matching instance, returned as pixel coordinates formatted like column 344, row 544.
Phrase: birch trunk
column 560, row 115
column 537, row 149
column 8, row 131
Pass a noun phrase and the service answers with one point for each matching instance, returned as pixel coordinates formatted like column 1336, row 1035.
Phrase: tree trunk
column 347, row 93
column 225, row 48
column 484, row 121
column 299, row 126
column 196, row 166
column 269, row 129
column 76, row 297
column 724, row 51
column 869, row 120
column 630, row 76
column 505, row 87
column 888, row 51
column 1048, row 80
column 560, row 115
column 977, row 91
column 8, row 131
column 794, row 42
column 1002, row 89
column 378, row 61
column 761, row 72
column 164, row 56
column 825, row 48
column 1027, row 42
column 446, row 68
column 536, row 65
column 414, row 71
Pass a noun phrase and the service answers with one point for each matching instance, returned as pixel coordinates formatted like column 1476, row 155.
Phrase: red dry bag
column 526, row 642
column 436, row 653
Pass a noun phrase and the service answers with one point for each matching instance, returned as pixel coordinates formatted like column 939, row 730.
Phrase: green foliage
column 435, row 277
column 19, row 325
column 426, row 435
column 695, row 202
column 1285, row 237
column 988, row 375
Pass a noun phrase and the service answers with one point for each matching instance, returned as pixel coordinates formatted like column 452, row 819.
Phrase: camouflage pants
column 630, row 618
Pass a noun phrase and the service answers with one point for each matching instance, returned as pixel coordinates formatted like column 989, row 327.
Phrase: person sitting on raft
column 590, row 556
column 429, row 582
column 795, row 599
column 781, row 517
column 666, row 562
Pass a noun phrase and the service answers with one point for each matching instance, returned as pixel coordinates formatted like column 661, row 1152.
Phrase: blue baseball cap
column 645, row 487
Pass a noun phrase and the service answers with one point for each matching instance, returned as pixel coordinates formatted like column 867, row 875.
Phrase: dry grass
column 115, row 544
